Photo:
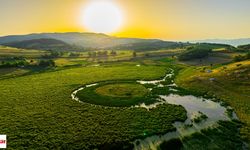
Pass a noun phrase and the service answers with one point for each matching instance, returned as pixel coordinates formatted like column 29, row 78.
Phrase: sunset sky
column 165, row 19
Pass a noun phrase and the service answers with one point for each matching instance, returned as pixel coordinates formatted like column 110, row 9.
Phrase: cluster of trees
column 102, row 54
column 56, row 54
column 195, row 53
column 74, row 54
column 13, row 62
column 52, row 54
column 46, row 63
column 16, row 63
column 151, row 45
column 22, row 62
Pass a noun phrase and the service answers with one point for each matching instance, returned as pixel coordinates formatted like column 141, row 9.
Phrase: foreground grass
column 37, row 111
column 231, row 85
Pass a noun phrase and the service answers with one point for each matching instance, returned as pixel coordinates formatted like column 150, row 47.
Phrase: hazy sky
column 166, row 19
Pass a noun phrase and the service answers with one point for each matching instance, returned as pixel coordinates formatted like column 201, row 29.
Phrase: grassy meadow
column 39, row 113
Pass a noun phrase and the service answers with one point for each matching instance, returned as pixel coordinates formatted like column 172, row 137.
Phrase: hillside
column 96, row 41
column 43, row 44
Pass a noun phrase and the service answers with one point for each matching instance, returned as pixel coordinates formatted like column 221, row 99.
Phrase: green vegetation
column 244, row 47
column 174, row 144
column 242, row 57
column 122, row 90
column 199, row 117
column 46, row 63
column 43, row 44
column 116, row 94
column 221, row 137
column 88, row 42
column 195, row 53
column 15, row 62
column 218, row 137
column 38, row 111
column 231, row 85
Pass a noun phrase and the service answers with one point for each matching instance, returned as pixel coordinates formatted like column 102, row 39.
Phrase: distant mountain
column 233, row 42
column 42, row 44
column 95, row 41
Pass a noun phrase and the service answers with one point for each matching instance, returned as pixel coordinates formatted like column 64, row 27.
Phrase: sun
column 102, row 17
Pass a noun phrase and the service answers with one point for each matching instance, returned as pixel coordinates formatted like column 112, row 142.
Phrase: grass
column 38, row 112
column 122, row 90
column 231, row 85
column 119, row 93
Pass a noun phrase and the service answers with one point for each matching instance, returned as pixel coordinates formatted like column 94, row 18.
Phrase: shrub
column 194, row 53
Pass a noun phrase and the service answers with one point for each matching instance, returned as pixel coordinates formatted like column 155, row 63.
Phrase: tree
column 113, row 53
column 195, row 53
column 239, row 58
column 46, row 63
column 102, row 53
column 134, row 54
column 54, row 54
column 74, row 54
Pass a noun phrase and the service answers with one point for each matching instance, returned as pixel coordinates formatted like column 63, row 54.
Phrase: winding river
column 193, row 105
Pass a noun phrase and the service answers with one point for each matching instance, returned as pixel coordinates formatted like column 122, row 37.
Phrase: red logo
column 2, row 141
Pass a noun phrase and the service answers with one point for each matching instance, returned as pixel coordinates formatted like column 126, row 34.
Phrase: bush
column 195, row 53
column 13, row 63
column 46, row 63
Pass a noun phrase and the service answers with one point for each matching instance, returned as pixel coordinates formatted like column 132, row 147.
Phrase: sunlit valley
column 99, row 87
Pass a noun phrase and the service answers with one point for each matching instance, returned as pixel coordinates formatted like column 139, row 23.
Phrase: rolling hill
column 43, row 44
column 90, row 41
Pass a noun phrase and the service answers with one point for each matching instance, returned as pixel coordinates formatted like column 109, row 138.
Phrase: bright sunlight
column 102, row 17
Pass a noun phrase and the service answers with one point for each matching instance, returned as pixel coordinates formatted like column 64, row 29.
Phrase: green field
column 39, row 113
column 122, row 90
column 116, row 94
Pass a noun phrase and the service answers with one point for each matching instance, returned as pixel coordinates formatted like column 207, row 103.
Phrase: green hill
column 43, row 44
column 90, row 41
